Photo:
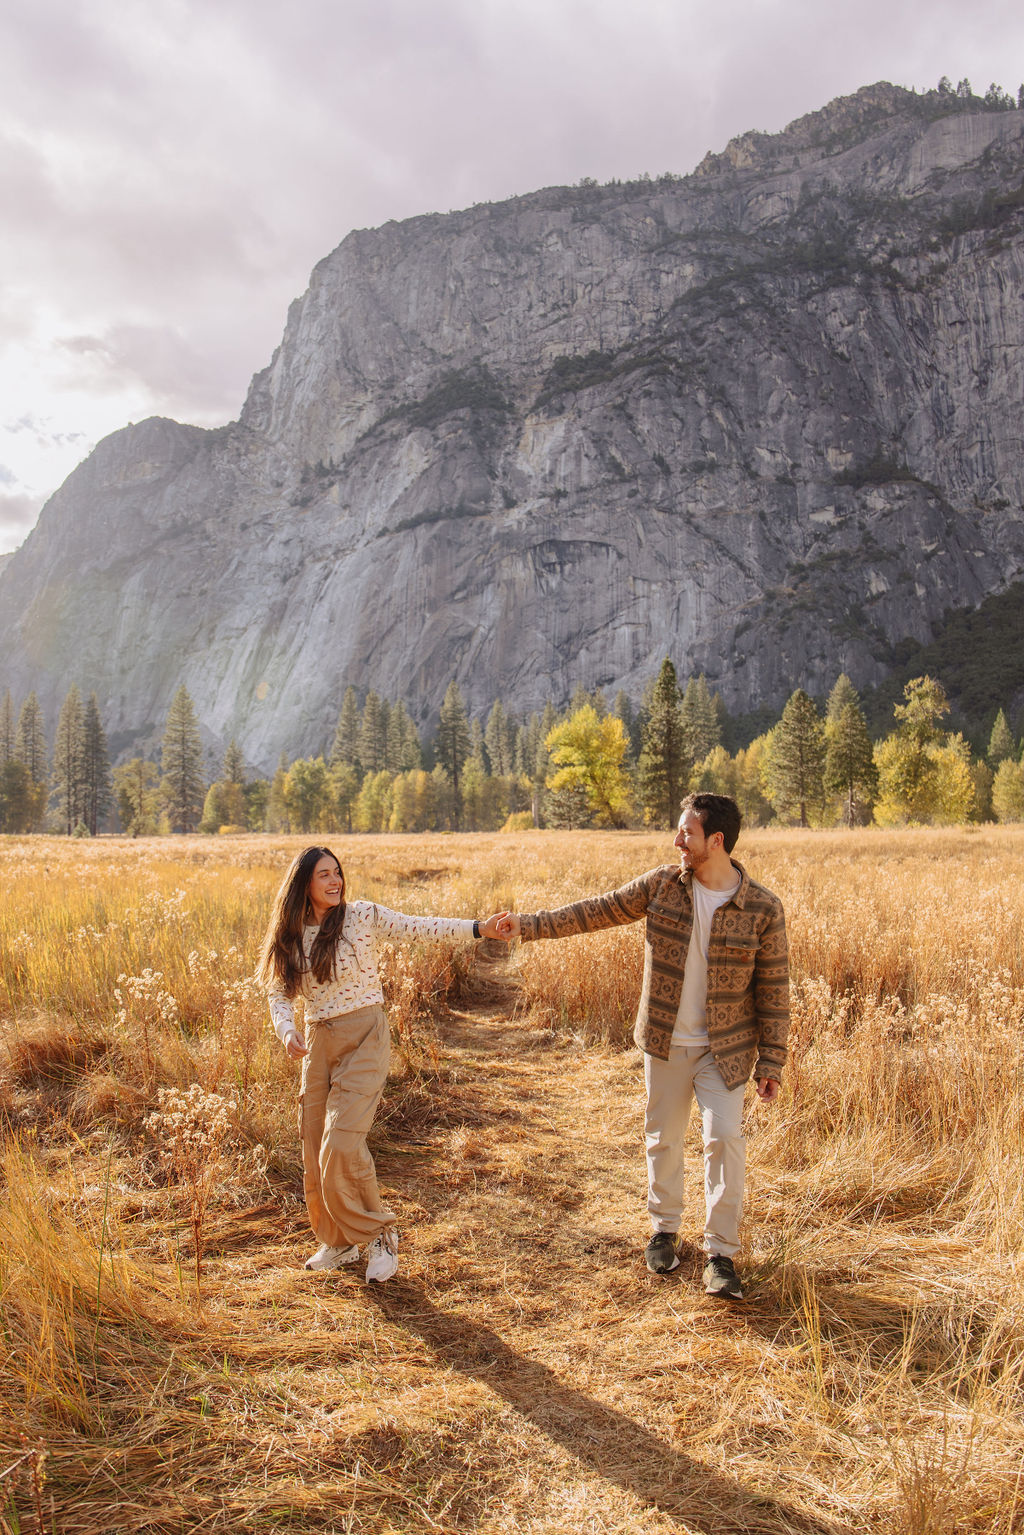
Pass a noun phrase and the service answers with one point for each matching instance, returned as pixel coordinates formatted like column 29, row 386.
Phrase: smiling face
column 325, row 886
column 696, row 851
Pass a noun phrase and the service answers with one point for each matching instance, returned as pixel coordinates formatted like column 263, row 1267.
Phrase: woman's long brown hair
column 282, row 957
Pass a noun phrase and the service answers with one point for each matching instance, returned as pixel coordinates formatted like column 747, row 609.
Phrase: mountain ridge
column 763, row 418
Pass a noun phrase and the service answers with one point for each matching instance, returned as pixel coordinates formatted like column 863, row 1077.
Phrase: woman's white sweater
column 356, row 978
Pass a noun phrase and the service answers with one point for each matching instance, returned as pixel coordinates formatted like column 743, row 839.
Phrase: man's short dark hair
column 716, row 812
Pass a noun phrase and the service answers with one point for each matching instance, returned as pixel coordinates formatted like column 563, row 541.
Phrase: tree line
column 590, row 764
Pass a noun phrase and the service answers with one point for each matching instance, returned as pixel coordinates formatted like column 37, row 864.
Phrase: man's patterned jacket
column 748, row 965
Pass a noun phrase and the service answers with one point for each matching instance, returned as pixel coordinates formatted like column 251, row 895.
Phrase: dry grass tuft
column 523, row 1372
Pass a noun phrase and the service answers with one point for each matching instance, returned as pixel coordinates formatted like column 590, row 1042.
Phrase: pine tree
column 1000, row 743
column 234, row 765
column 68, row 760
column 474, row 782
column 499, row 737
column 16, row 802
column 850, row 763
column 255, row 798
column 843, row 693
column 453, row 741
column 373, row 734
column 182, row 763
column 519, row 749
column 15, row 784
column 477, row 748
column 97, row 794
column 664, row 765
column 796, row 759
column 702, row 730
column 623, row 709
column 983, row 778
column 30, row 742
column 849, row 753
column 402, row 748
column 346, row 736
column 534, row 762
column 579, row 700
column 30, row 750
column 215, row 811
column 345, row 783
column 568, row 808
column 7, row 735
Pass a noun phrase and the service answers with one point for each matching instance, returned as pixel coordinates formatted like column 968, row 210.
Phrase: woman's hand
column 504, row 925
column 295, row 1045
column 498, row 926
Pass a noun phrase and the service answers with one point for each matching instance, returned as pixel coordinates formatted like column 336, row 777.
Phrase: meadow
column 166, row 1366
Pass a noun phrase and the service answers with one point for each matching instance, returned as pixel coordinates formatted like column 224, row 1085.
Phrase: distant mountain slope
column 765, row 419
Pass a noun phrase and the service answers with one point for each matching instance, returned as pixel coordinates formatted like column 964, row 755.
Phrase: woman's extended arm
column 398, row 924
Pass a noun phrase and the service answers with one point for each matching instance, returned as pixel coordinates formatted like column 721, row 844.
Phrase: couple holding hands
column 714, row 1009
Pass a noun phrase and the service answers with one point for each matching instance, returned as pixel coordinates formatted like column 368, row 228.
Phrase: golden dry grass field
column 523, row 1372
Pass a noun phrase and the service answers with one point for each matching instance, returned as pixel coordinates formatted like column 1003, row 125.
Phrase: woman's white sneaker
column 327, row 1257
column 382, row 1256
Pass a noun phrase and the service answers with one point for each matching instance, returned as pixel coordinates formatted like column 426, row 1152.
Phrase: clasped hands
column 504, row 925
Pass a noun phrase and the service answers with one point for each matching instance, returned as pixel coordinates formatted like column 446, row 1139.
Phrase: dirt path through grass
column 524, row 1371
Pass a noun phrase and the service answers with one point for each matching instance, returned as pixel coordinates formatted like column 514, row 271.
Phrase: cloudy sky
column 171, row 170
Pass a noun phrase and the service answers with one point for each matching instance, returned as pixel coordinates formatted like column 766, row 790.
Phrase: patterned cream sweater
column 356, row 978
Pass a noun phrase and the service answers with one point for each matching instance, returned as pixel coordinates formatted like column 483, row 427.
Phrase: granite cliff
column 765, row 418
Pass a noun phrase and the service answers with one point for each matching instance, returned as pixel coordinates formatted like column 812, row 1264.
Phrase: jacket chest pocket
column 739, row 951
column 666, row 915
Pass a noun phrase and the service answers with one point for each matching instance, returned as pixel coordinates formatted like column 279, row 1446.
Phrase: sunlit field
column 166, row 1366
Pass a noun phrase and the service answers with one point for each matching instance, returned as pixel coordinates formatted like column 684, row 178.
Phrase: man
column 714, row 1007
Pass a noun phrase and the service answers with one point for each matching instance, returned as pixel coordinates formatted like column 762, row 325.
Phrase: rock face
column 765, row 419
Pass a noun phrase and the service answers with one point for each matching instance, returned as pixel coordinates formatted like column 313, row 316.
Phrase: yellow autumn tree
column 588, row 752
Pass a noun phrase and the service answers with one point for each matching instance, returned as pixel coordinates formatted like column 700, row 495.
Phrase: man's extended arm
column 626, row 904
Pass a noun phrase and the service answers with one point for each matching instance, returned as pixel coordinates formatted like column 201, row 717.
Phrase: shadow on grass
column 605, row 1440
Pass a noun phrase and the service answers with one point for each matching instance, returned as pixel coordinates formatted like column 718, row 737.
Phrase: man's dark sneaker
column 721, row 1279
column 663, row 1252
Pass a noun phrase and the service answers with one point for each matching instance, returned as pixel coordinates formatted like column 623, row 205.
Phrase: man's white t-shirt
column 692, row 1016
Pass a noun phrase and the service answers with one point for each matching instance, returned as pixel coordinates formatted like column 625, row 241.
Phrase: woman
column 322, row 948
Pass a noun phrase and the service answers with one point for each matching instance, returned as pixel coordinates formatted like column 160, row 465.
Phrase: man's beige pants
column 342, row 1080
column 672, row 1086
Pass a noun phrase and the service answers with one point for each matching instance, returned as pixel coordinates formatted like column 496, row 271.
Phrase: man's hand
column 509, row 926
column 295, row 1045
column 767, row 1089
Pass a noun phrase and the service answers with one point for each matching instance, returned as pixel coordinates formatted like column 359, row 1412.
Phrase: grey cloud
column 67, row 45
column 43, row 432
column 199, row 160
column 18, row 514
column 179, row 376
